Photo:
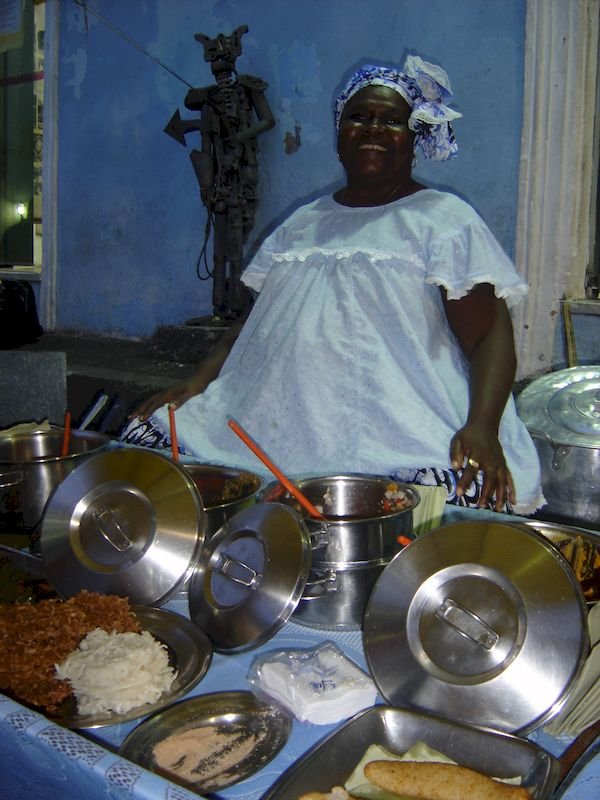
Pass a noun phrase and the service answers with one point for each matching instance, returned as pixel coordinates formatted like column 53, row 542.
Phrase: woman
column 380, row 341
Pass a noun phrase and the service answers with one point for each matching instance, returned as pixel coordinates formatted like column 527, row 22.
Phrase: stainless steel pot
column 224, row 492
column 357, row 527
column 571, row 481
column 562, row 413
column 336, row 596
column 32, row 467
column 352, row 547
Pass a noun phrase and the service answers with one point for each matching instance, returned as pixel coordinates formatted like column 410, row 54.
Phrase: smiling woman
column 375, row 146
column 380, row 341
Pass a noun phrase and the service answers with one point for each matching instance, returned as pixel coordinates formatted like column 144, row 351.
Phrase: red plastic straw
column 174, row 448
column 66, row 434
column 293, row 490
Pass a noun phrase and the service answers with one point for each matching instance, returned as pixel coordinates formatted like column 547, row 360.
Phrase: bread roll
column 337, row 793
column 425, row 781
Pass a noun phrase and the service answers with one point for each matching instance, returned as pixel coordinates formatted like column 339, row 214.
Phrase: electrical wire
column 88, row 9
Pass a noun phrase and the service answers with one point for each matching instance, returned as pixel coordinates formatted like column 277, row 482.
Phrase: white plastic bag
column 318, row 685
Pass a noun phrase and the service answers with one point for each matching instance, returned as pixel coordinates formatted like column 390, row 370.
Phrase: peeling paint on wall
column 292, row 141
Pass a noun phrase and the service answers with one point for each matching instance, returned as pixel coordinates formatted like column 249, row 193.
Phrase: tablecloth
column 44, row 761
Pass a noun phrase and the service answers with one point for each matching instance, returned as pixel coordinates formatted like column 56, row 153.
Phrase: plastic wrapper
column 319, row 685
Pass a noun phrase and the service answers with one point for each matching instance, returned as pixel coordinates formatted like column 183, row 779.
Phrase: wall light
column 21, row 209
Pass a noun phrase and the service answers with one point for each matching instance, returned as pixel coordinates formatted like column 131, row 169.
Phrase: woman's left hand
column 474, row 448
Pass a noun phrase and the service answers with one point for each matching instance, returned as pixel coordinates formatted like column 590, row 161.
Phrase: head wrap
column 426, row 89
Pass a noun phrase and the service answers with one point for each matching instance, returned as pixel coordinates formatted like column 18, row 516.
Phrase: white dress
column 347, row 362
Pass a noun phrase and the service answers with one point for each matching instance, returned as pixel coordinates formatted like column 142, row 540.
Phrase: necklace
column 399, row 187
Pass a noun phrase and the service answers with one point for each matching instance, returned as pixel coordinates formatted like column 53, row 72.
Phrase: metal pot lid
column 564, row 406
column 250, row 577
column 128, row 522
column 478, row 621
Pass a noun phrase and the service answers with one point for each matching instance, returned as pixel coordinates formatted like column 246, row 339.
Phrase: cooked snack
column 439, row 782
column 34, row 638
column 337, row 793
column 584, row 557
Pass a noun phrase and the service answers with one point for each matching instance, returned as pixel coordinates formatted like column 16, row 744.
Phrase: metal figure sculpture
column 233, row 113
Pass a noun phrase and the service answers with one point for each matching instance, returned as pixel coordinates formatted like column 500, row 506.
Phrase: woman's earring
column 414, row 162
column 338, row 157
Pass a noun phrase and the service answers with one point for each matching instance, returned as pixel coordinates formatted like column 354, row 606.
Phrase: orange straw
column 293, row 490
column 174, row 448
column 66, row 434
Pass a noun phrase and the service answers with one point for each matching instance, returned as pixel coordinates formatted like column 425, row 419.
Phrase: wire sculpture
column 233, row 111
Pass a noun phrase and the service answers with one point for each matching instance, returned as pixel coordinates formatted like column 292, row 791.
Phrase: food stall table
column 45, row 761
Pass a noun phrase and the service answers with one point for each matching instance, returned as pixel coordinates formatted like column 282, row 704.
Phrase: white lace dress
column 347, row 362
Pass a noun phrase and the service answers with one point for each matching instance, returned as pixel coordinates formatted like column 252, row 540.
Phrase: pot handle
column 109, row 527
column 24, row 560
column 11, row 479
column 237, row 571
column 560, row 451
column 321, row 586
column 319, row 538
column 467, row 623
column 542, row 435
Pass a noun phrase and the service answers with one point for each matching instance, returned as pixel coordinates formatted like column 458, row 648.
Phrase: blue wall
column 130, row 219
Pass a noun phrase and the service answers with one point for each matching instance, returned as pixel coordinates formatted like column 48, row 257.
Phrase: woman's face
column 374, row 140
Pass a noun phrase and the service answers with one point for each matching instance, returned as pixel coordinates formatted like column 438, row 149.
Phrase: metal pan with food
column 489, row 753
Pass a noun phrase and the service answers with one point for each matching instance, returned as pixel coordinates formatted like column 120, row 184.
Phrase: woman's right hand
column 175, row 395
column 209, row 368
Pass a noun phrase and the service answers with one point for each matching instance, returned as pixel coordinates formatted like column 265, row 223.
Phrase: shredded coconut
column 117, row 671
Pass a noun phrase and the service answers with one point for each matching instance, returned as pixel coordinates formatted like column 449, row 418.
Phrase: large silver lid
column 564, row 406
column 250, row 577
column 483, row 622
column 128, row 522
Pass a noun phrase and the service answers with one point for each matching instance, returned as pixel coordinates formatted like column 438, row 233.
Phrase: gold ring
column 472, row 463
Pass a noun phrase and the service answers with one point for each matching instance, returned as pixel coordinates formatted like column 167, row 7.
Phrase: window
column 22, row 25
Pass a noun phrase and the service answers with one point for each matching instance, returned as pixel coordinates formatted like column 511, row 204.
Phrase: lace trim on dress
column 511, row 294
column 373, row 255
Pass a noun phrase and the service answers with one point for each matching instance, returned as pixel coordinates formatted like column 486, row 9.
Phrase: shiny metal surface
column 564, row 406
column 570, row 481
column 238, row 713
column 190, row 654
column 336, row 597
column 479, row 621
column 250, row 577
column 561, row 410
column 357, row 528
column 499, row 755
column 31, row 467
column 128, row 522
column 220, row 497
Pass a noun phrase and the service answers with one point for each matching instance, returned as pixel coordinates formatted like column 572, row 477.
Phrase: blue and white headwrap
column 426, row 88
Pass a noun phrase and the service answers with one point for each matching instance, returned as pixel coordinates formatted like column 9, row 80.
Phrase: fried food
column 36, row 637
column 337, row 793
column 425, row 781
column 584, row 557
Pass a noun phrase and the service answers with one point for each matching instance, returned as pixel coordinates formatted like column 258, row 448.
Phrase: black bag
column 19, row 323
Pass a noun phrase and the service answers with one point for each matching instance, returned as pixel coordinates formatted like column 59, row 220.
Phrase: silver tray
column 332, row 761
column 190, row 654
column 229, row 713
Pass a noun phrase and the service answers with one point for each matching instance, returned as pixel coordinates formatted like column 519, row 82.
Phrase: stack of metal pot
column 351, row 548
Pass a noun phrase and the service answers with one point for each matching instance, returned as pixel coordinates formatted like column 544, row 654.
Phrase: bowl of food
column 224, row 492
